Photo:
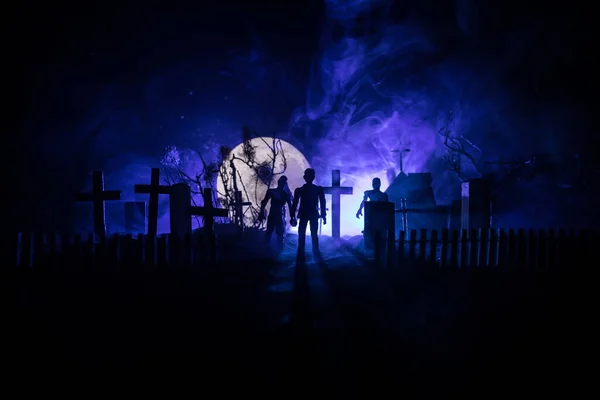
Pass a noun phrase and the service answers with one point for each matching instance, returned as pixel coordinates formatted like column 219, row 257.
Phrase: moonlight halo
column 253, row 182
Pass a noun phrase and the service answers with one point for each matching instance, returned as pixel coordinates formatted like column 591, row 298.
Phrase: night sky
column 189, row 73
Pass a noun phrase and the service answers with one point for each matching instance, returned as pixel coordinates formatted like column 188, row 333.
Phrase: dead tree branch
column 458, row 149
column 263, row 173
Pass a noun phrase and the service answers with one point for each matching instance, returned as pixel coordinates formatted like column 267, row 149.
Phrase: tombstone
column 179, row 210
column 335, row 190
column 476, row 204
column 153, row 189
column 135, row 217
column 98, row 196
column 379, row 217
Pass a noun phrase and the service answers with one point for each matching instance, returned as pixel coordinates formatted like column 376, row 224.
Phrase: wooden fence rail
column 495, row 248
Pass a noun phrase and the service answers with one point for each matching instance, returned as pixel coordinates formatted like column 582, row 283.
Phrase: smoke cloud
column 385, row 76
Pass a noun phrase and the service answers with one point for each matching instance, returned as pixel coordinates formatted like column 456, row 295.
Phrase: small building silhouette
column 417, row 190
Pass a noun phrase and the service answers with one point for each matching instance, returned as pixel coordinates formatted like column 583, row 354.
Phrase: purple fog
column 346, row 84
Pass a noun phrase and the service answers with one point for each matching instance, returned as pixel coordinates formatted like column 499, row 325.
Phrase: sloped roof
column 403, row 182
column 416, row 188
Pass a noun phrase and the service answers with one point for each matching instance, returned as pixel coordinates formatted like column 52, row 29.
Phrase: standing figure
column 280, row 197
column 372, row 195
column 311, row 198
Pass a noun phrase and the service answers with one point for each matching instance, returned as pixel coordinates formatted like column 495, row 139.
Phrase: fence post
column 542, row 250
column 562, row 247
column 533, row 252
column 76, row 255
column 131, row 254
column 445, row 243
column 168, row 243
column 116, row 250
column 521, row 249
column 512, row 249
column 31, row 250
column 552, row 251
column 412, row 245
column 464, row 249
column 454, row 248
column 422, row 245
column 433, row 246
column 502, row 249
column 494, row 248
column 583, row 249
column 401, row 243
column 572, row 251
column 474, row 250
column 66, row 249
column 189, row 249
column 103, row 251
column 484, row 248
column 19, row 249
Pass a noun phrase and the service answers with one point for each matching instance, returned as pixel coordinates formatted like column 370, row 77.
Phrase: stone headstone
column 179, row 209
column 476, row 203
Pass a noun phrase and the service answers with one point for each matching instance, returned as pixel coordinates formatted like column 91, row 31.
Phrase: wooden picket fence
column 543, row 249
column 456, row 249
column 74, row 251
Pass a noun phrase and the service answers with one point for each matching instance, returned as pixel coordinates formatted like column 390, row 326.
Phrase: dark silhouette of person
column 372, row 195
column 311, row 198
column 279, row 197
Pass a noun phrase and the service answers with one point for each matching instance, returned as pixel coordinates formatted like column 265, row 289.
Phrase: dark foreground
column 268, row 325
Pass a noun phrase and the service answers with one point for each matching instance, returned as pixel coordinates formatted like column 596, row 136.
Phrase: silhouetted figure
column 372, row 195
column 280, row 197
column 311, row 198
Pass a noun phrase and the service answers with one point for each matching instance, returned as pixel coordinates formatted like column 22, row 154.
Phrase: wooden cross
column 335, row 190
column 208, row 212
column 98, row 196
column 238, row 207
column 153, row 189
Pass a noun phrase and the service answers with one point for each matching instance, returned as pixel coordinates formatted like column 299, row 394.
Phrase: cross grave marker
column 98, row 196
column 336, row 190
column 208, row 212
column 238, row 207
column 153, row 189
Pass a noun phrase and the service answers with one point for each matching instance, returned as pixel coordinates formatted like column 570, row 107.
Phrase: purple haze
column 375, row 84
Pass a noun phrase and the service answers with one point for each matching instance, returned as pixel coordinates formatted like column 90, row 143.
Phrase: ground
column 270, row 321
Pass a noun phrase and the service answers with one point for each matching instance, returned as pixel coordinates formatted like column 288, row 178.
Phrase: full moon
column 272, row 159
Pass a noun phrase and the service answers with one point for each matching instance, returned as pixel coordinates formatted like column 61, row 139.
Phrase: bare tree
column 263, row 173
column 458, row 149
column 226, row 168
